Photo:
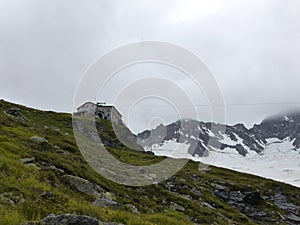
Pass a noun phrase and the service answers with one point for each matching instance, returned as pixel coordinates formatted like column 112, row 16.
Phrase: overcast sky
column 252, row 47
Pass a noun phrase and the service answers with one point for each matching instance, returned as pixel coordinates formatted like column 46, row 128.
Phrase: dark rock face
column 249, row 202
column 293, row 218
column 281, row 201
column 283, row 126
column 253, row 198
column 241, row 150
column 203, row 136
column 196, row 148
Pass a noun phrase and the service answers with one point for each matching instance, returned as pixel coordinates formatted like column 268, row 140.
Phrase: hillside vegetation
column 42, row 172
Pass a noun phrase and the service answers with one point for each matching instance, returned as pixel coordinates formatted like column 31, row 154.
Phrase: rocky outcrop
column 281, row 201
column 15, row 113
column 68, row 219
column 245, row 201
column 104, row 199
column 82, row 185
column 252, row 198
column 248, row 202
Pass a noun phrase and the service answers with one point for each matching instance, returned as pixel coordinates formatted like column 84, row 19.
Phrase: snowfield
column 279, row 161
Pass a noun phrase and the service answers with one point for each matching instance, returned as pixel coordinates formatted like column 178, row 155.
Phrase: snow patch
column 171, row 149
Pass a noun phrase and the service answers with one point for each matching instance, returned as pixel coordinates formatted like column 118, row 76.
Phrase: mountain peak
column 275, row 136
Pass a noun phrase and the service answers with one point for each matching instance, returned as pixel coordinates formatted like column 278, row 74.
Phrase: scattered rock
column 219, row 187
column 208, row 205
column 56, row 147
column 27, row 160
column 194, row 177
column 175, row 206
column 54, row 168
column 67, row 219
column 131, row 208
column 246, row 202
column 55, row 128
column 102, row 202
column 83, row 185
column 281, row 201
column 9, row 198
column 14, row 111
column 62, row 152
column 196, row 192
column 258, row 215
column 5, row 198
column 293, row 217
column 18, row 199
column 185, row 196
column 33, row 165
column 221, row 195
column 38, row 140
column 46, row 195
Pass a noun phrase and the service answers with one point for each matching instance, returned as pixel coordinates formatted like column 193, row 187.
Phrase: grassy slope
column 30, row 183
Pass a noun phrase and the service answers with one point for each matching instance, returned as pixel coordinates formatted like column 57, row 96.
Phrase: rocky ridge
column 202, row 137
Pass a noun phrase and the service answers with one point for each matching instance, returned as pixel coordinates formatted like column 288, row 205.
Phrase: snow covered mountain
column 270, row 149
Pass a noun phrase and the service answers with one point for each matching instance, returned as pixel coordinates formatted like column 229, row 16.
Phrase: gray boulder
column 68, row 219
column 82, row 185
